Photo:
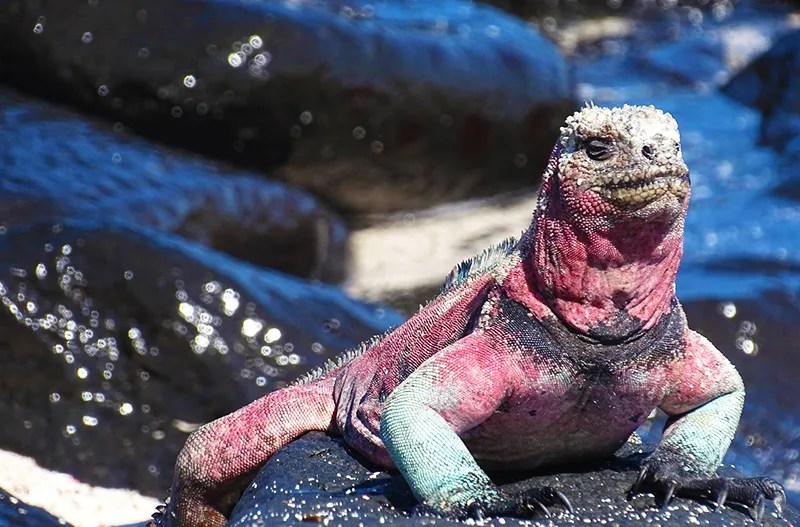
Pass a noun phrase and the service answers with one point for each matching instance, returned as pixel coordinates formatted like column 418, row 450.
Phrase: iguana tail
column 220, row 458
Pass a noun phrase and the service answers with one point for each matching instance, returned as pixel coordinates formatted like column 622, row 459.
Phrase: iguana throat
column 607, row 236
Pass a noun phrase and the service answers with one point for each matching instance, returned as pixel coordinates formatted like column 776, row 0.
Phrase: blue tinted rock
column 15, row 513
column 55, row 163
column 770, row 84
column 116, row 341
column 375, row 105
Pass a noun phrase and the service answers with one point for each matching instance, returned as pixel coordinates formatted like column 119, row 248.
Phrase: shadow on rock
column 375, row 106
column 116, row 342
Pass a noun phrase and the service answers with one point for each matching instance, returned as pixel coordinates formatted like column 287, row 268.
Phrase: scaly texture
column 550, row 349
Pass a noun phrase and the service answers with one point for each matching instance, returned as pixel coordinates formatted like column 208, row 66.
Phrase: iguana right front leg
column 704, row 405
column 219, row 458
column 453, row 391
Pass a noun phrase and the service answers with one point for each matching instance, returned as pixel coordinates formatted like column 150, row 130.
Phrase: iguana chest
column 574, row 416
column 573, row 399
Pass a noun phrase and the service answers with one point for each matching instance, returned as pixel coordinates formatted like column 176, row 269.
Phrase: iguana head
column 608, row 231
column 620, row 164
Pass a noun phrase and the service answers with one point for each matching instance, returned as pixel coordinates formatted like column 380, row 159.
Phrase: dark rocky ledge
column 373, row 105
column 316, row 479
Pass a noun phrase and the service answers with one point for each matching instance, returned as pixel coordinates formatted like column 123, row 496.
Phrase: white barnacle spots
column 272, row 335
column 261, row 60
column 90, row 420
column 236, row 58
column 69, row 430
column 116, row 158
column 492, row 31
column 747, row 346
column 200, row 344
column 359, row 133
column 376, row 147
column 251, row 327
column 212, row 287
column 41, row 271
column 87, row 37
column 189, row 81
column 102, row 90
column 306, row 117
column 82, row 373
column 66, row 249
column 128, row 275
column 256, row 42
column 38, row 27
column 86, row 396
column 125, row 409
column 55, row 397
column 728, row 309
column 230, row 301
column 186, row 311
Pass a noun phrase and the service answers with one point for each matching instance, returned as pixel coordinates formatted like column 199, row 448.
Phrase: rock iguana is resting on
column 549, row 349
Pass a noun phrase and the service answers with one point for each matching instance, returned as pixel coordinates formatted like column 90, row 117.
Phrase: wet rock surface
column 374, row 106
column 757, row 335
column 771, row 84
column 55, row 163
column 15, row 513
column 316, row 479
column 117, row 341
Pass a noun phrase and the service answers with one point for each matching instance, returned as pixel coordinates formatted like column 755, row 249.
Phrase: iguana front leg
column 704, row 405
column 453, row 391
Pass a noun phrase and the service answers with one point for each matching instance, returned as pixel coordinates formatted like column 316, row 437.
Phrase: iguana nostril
column 648, row 152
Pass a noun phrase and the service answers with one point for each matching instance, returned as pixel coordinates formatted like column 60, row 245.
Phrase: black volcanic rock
column 375, row 106
column 116, row 341
column 55, row 163
column 316, row 479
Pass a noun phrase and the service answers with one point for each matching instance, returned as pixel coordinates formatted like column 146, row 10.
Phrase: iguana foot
column 160, row 518
column 669, row 479
column 520, row 505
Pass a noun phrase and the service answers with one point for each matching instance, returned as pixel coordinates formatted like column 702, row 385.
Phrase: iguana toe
column 525, row 504
column 666, row 480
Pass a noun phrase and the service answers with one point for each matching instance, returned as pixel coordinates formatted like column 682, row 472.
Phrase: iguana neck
column 609, row 283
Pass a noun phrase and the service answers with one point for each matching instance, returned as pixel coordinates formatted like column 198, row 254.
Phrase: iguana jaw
column 629, row 191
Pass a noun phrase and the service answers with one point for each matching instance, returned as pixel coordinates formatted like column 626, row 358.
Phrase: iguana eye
column 599, row 149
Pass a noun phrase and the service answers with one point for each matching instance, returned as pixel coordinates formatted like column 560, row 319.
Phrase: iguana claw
column 752, row 493
column 520, row 505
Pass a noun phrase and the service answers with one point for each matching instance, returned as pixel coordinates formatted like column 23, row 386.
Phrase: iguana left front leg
column 704, row 404
column 453, row 391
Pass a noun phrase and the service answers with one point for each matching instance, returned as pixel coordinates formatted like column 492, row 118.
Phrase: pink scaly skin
column 547, row 350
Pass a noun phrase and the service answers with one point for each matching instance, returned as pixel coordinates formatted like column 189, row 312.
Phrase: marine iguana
column 548, row 349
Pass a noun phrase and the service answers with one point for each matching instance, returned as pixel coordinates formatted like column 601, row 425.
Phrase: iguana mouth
column 637, row 191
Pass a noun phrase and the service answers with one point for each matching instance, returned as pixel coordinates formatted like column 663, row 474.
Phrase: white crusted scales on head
column 638, row 123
